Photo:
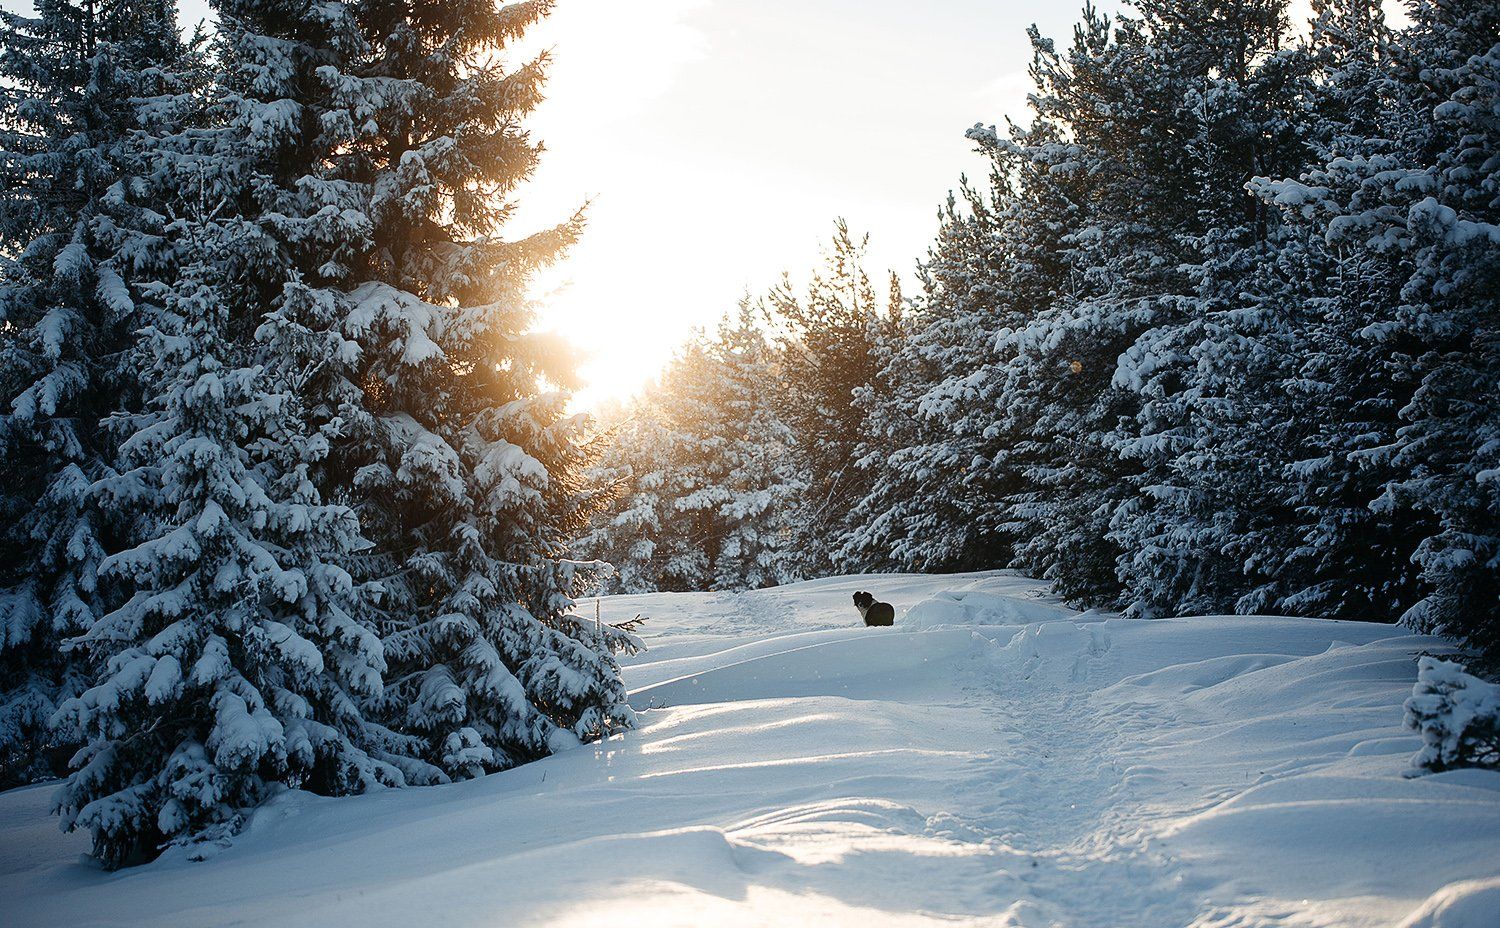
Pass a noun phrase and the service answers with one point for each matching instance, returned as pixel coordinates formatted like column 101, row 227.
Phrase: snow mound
column 973, row 607
column 1466, row 904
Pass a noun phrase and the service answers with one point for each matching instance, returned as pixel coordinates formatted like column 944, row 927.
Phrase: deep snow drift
column 996, row 758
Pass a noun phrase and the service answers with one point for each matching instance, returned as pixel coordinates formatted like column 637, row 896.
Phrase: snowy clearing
column 995, row 759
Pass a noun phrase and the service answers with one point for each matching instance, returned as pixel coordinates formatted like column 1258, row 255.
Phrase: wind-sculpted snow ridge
column 1038, row 767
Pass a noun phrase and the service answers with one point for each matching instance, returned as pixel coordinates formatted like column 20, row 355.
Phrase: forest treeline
column 1218, row 333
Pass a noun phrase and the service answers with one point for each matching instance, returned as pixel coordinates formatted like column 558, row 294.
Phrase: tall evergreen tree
column 828, row 343
column 78, row 79
column 1448, row 447
column 350, row 491
column 1097, row 186
column 236, row 663
column 240, row 656
column 1337, row 397
column 927, row 443
column 633, row 531
column 1204, row 521
column 759, row 495
column 458, row 453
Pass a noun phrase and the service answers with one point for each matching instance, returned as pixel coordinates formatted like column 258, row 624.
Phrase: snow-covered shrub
column 1458, row 715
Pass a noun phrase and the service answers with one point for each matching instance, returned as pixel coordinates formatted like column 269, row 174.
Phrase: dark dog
column 874, row 613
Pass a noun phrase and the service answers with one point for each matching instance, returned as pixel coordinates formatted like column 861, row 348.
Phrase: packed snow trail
column 995, row 759
column 1067, row 804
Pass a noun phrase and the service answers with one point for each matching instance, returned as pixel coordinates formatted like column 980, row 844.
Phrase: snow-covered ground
column 996, row 758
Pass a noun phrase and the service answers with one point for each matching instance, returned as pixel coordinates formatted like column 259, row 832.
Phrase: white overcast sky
column 718, row 140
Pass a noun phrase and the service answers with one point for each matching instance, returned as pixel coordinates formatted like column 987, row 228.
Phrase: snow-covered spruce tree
column 1002, row 393
column 827, row 341
column 454, row 446
column 236, row 663
column 686, row 466
column 350, row 406
column 78, row 78
column 236, row 658
column 1095, row 172
column 762, row 498
column 1413, row 205
column 1448, row 447
column 240, row 656
column 681, row 457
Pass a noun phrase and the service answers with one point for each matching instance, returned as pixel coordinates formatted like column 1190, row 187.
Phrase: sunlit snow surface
column 995, row 759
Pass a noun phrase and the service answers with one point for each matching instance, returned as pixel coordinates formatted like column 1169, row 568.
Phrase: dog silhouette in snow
column 874, row 613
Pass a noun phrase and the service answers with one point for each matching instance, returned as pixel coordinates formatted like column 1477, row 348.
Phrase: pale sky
column 718, row 140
